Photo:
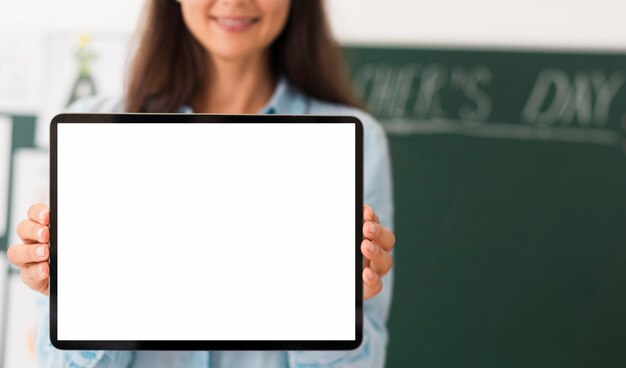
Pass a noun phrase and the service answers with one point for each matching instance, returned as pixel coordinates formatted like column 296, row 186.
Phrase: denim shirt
column 286, row 99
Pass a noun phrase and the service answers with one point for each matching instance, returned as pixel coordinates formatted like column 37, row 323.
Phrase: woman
column 238, row 56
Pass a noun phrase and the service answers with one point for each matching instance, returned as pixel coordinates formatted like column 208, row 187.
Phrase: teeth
column 235, row 22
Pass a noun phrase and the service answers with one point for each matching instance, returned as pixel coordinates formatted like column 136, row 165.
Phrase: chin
column 233, row 53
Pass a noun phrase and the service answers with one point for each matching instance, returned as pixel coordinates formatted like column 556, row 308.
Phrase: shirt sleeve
column 378, row 194
column 50, row 357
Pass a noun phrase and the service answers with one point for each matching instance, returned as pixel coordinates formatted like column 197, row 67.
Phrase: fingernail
column 40, row 233
column 40, row 268
column 369, row 274
column 42, row 215
column 40, row 252
column 372, row 228
column 370, row 246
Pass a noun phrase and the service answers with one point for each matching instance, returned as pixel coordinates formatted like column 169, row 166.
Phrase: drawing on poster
column 84, row 85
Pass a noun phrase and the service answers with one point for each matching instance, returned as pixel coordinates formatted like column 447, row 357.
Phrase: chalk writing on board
column 431, row 98
column 416, row 90
column 584, row 99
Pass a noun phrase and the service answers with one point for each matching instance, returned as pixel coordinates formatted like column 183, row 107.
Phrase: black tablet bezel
column 206, row 344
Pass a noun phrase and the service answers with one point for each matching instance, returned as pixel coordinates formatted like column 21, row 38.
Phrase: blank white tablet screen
column 220, row 231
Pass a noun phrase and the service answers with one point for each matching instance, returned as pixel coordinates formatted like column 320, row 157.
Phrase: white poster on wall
column 19, row 347
column 21, row 65
column 6, row 126
column 4, row 275
column 30, row 185
column 80, row 65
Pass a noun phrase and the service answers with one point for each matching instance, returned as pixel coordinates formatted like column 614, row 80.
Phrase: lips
column 235, row 24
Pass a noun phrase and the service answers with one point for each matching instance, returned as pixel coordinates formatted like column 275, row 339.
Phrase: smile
column 235, row 24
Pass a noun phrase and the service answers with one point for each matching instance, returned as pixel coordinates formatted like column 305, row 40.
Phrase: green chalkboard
column 510, row 193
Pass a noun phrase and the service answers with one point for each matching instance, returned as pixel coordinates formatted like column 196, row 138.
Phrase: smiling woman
column 182, row 44
column 239, row 57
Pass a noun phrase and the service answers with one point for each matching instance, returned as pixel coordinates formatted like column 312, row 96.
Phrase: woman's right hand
column 32, row 256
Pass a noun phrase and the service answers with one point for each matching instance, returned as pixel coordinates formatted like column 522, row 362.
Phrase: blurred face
column 232, row 29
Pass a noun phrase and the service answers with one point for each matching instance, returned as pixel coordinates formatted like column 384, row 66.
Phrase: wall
column 486, row 23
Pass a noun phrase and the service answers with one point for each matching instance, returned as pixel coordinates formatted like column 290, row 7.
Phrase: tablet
column 206, row 232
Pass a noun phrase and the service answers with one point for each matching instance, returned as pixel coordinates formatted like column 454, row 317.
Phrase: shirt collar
column 286, row 99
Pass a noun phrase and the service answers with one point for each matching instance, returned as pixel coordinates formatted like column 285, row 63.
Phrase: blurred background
column 507, row 126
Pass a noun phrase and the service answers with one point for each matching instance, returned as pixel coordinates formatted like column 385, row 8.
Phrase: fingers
column 32, row 232
column 378, row 242
column 36, row 275
column 24, row 254
column 39, row 213
column 32, row 256
column 380, row 260
column 379, row 234
column 370, row 215
column 372, row 285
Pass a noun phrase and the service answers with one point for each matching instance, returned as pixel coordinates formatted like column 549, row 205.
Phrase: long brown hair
column 169, row 64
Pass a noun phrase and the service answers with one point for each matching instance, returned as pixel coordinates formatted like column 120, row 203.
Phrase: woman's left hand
column 376, row 248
